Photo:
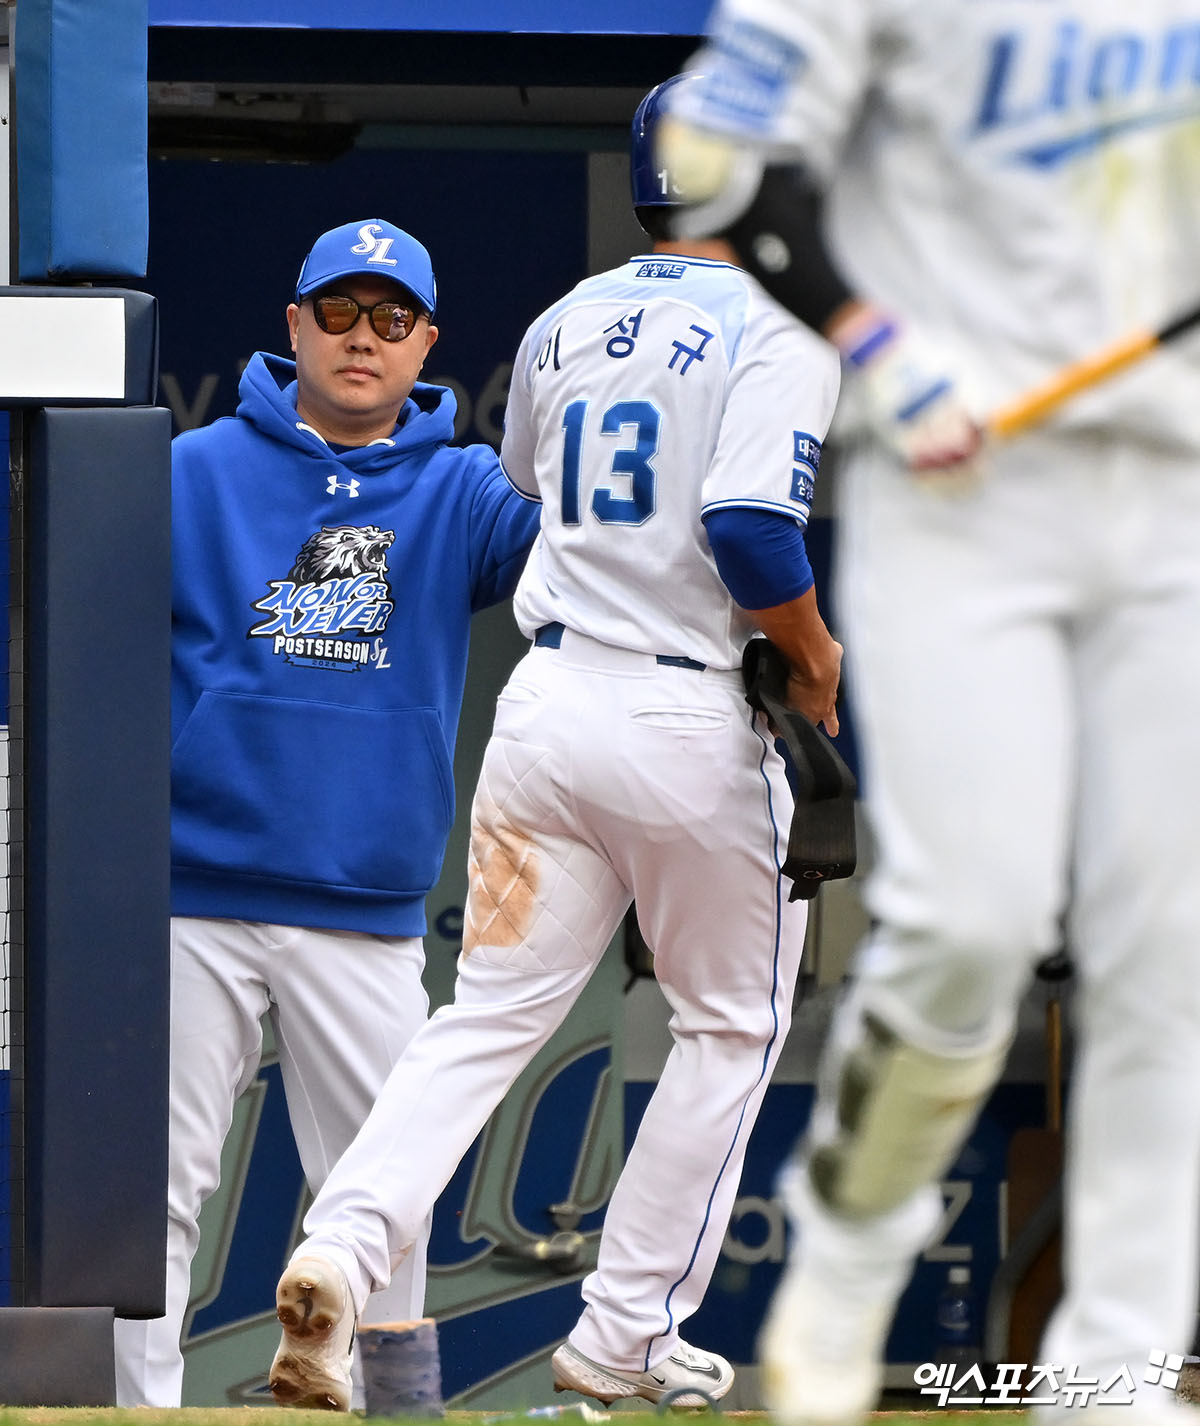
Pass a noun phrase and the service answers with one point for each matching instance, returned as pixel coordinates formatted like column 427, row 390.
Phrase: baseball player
column 669, row 418
column 984, row 192
column 329, row 548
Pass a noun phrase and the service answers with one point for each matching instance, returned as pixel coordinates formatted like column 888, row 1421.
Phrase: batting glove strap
column 863, row 341
column 909, row 396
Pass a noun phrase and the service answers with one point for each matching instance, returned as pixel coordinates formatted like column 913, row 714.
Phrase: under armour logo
column 375, row 247
column 335, row 485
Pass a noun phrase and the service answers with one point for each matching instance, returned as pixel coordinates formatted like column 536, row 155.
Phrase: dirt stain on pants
column 502, row 868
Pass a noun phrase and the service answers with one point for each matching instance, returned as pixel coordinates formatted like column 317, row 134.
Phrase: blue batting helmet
column 651, row 186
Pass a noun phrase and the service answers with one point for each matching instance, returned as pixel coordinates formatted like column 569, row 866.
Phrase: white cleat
column 822, row 1346
column 312, row 1366
column 688, row 1377
column 821, row 1354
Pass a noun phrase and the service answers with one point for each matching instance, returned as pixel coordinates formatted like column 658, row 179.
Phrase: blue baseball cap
column 375, row 248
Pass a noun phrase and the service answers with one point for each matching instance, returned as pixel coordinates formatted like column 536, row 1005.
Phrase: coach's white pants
column 608, row 777
column 343, row 1005
column 1025, row 665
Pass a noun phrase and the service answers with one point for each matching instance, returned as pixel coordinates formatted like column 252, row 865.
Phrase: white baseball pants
column 1025, row 664
column 343, row 1006
column 608, row 777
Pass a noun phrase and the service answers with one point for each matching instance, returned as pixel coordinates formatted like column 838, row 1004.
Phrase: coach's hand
column 910, row 398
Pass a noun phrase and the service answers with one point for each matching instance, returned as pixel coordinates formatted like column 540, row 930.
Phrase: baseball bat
column 1027, row 410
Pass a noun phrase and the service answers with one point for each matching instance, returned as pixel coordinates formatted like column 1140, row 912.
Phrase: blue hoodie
column 322, row 605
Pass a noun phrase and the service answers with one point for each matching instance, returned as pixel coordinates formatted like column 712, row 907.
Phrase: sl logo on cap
column 376, row 247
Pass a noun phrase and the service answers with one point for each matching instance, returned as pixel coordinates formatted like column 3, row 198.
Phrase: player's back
column 634, row 407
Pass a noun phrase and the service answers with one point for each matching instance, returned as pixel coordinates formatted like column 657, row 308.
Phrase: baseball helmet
column 651, row 186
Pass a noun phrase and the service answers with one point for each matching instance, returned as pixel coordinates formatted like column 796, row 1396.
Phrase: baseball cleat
column 821, row 1352
column 312, row 1366
column 688, row 1377
column 822, row 1346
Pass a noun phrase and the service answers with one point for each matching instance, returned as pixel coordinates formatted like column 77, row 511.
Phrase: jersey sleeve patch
column 750, row 71
column 806, row 456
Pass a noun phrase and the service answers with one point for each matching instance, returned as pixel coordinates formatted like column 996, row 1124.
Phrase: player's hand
column 813, row 655
column 911, row 399
column 813, row 684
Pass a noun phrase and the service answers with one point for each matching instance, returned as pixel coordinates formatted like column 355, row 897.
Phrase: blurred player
column 1003, row 187
column 668, row 415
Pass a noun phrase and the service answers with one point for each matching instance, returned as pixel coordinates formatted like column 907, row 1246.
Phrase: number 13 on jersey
column 629, row 435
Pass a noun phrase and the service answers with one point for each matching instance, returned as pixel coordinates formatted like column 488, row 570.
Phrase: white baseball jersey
column 1018, row 176
column 698, row 392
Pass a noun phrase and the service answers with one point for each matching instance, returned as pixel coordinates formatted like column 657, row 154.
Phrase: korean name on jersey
column 647, row 397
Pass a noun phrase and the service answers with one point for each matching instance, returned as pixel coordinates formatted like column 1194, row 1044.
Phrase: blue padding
column 97, row 858
column 604, row 17
column 82, row 132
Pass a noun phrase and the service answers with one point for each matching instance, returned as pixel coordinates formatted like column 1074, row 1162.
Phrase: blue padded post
column 82, row 127
column 97, row 861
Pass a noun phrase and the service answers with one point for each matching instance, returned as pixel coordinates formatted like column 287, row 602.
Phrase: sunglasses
column 392, row 321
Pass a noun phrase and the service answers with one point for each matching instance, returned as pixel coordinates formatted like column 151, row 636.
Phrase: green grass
column 153, row 1416
column 272, row 1416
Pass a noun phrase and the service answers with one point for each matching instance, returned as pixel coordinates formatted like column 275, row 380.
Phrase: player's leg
column 217, row 999
column 862, row 1198
column 434, row 1103
column 542, row 907
column 438, row 1097
column 962, row 683
column 727, row 943
column 344, row 1007
column 952, row 611
column 1134, row 1117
